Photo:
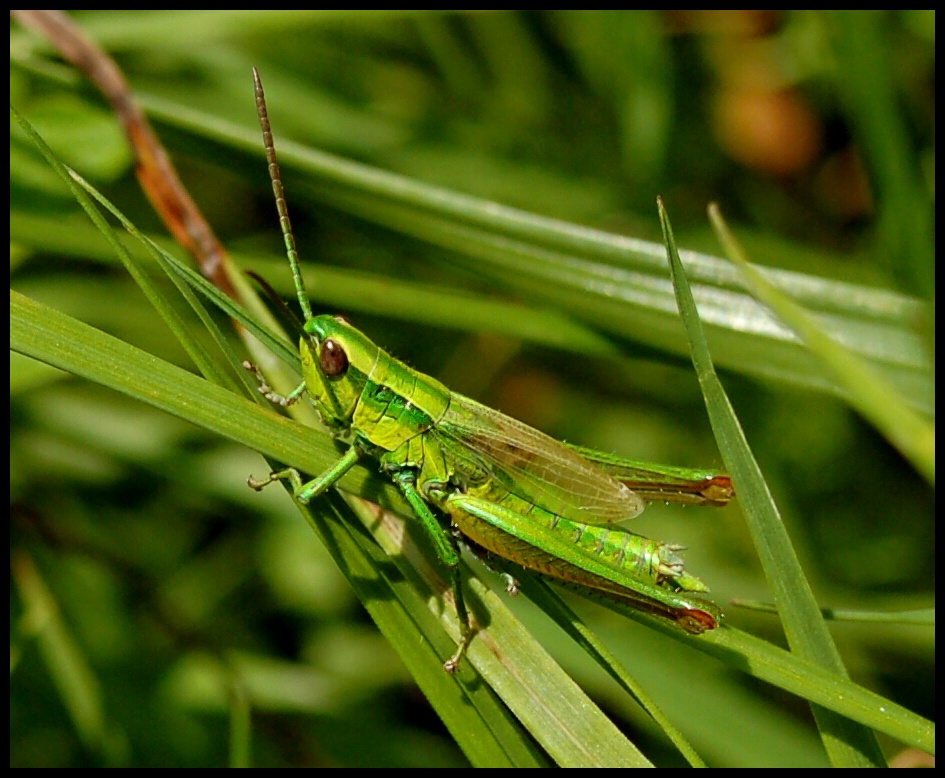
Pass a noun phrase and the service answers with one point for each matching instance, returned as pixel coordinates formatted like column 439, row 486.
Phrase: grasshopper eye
column 333, row 360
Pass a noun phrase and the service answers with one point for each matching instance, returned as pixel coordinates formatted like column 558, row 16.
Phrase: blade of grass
column 867, row 391
column 69, row 667
column 157, row 299
column 847, row 743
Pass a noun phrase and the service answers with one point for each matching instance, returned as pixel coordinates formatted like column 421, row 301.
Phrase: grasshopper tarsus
column 267, row 391
column 289, row 474
column 512, row 586
column 258, row 486
column 465, row 638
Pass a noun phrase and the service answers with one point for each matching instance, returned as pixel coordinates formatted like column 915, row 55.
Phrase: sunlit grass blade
column 540, row 593
column 846, row 743
column 866, row 390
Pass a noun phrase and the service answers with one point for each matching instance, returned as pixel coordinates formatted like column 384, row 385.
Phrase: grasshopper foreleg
column 306, row 492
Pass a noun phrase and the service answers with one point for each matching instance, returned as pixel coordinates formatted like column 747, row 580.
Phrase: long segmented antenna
column 279, row 193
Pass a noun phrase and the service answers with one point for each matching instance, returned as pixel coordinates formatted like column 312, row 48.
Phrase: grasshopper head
column 336, row 361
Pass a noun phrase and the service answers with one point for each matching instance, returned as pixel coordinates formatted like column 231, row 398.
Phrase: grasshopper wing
column 667, row 483
column 533, row 465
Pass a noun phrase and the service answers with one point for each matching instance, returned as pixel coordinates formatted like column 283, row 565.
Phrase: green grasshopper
column 505, row 488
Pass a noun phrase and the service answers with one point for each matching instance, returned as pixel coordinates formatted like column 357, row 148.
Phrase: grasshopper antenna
column 279, row 193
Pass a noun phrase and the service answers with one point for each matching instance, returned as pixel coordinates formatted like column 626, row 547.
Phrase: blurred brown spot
column 770, row 131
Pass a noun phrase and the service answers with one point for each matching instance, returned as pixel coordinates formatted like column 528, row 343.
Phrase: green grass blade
column 539, row 592
column 71, row 671
column 906, row 218
column 867, row 390
column 847, row 743
column 161, row 304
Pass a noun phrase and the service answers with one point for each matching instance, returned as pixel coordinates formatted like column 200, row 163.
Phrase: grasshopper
column 472, row 475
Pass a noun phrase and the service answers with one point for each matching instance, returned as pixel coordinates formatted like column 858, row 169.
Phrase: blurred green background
column 133, row 532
